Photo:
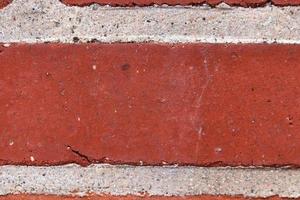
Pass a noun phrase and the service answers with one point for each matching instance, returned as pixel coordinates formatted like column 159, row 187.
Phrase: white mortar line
column 136, row 180
column 34, row 21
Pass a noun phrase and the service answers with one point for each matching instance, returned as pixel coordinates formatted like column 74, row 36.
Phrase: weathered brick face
column 198, row 104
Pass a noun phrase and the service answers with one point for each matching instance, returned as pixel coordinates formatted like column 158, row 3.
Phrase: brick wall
column 154, row 102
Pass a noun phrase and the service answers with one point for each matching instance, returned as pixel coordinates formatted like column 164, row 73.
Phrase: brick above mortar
column 249, row 3
column 95, row 197
column 4, row 3
column 213, row 3
column 243, row 3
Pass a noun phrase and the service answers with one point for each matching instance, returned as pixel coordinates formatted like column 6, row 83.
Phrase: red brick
column 198, row 104
column 286, row 2
column 244, row 3
column 4, row 3
column 205, row 197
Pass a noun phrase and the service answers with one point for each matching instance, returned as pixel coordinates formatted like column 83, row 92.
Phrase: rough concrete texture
column 151, row 104
column 167, row 181
column 49, row 21
column 109, row 197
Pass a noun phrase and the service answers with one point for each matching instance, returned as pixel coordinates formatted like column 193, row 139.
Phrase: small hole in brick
column 125, row 67
column 290, row 120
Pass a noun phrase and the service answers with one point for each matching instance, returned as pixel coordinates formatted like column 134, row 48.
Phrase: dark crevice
column 86, row 161
column 79, row 154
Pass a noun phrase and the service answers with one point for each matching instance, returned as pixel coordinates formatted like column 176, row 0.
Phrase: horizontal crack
column 79, row 154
